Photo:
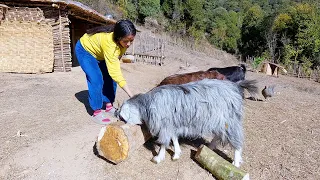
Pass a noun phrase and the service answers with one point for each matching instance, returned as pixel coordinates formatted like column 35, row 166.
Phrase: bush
column 257, row 61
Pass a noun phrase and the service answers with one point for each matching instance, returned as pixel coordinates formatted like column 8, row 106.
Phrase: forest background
column 281, row 31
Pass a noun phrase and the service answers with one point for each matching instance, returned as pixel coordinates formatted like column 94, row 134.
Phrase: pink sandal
column 100, row 117
column 105, row 116
column 110, row 109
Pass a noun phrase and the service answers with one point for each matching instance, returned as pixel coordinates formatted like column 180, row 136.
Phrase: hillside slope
column 57, row 135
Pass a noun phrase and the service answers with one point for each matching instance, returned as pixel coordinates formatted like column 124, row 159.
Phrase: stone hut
column 38, row 36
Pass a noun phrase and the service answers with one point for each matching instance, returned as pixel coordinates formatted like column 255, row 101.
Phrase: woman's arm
column 127, row 90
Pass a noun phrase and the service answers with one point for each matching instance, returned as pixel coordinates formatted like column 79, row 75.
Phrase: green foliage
column 194, row 8
column 218, row 33
column 300, row 24
column 266, row 55
column 245, row 5
column 281, row 22
column 252, row 32
column 224, row 29
column 257, row 61
column 195, row 33
column 306, row 66
column 289, row 55
column 233, row 32
column 195, row 22
column 174, row 11
column 282, row 30
column 148, row 7
column 131, row 11
column 253, row 16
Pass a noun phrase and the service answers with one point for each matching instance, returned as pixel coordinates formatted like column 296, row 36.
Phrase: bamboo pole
column 92, row 21
column 61, row 41
column 219, row 167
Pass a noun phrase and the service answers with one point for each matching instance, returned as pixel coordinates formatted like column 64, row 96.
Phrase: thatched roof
column 76, row 9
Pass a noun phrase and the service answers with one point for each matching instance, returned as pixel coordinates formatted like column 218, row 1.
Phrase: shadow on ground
column 82, row 96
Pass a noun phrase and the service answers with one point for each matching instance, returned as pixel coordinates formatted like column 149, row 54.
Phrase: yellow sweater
column 102, row 47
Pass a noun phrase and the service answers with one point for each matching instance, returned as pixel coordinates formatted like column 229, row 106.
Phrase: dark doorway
column 78, row 27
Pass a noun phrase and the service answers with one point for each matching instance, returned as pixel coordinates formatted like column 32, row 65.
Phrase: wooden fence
column 151, row 49
column 293, row 69
column 148, row 49
column 298, row 70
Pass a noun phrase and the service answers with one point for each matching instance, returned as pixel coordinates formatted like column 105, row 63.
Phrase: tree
column 129, row 8
column 195, row 18
column 252, row 37
column 224, row 29
column 174, row 10
column 300, row 25
column 148, row 8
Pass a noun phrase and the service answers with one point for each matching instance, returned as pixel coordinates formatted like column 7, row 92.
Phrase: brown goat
column 191, row 77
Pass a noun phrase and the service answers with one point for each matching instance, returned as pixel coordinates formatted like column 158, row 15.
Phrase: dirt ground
column 46, row 131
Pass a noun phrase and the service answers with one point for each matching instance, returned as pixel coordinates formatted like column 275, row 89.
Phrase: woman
column 98, row 52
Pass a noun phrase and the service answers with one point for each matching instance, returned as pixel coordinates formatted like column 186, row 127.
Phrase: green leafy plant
column 257, row 61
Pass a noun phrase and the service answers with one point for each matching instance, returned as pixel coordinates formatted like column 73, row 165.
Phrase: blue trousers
column 101, row 86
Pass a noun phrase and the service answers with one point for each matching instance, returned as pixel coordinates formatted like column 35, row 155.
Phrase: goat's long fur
column 196, row 109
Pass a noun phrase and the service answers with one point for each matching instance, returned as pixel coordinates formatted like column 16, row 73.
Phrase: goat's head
column 129, row 113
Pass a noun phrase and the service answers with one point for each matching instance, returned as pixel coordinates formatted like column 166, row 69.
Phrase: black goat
column 232, row 73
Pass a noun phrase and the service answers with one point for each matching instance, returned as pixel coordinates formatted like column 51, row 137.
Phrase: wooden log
column 127, row 58
column 117, row 141
column 219, row 167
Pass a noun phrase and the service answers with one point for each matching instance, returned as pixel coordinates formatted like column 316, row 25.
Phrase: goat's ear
column 134, row 116
column 130, row 114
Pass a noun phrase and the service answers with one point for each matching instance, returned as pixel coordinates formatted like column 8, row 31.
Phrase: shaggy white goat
column 196, row 109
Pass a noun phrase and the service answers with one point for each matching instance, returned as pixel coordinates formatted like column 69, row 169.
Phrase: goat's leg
column 177, row 150
column 214, row 142
column 161, row 155
column 237, row 157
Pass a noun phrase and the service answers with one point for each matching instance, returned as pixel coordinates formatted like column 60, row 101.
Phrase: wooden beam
column 61, row 42
column 218, row 166
column 88, row 19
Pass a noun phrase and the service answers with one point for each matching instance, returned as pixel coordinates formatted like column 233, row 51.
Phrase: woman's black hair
column 98, row 29
column 121, row 29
